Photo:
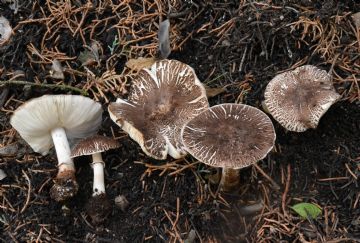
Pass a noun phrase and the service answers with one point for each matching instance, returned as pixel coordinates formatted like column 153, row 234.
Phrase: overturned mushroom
column 230, row 136
column 161, row 101
column 298, row 99
column 52, row 120
column 98, row 207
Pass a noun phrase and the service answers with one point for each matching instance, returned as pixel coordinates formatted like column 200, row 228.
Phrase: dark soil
column 320, row 166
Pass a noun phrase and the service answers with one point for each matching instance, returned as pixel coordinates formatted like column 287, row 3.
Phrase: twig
column 29, row 191
column 275, row 185
column 183, row 168
column 351, row 173
column 173, row 226
column 50, row 86
column 287, row 185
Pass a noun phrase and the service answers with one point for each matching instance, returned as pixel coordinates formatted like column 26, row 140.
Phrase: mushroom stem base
column 65, row 186
column 98, row 208
column 229, row 179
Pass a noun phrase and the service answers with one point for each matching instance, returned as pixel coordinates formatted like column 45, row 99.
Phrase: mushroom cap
column 5, row 30
column 79, row 116
column 229, row 136
column 163, row 98
column 93, row 144
column 297, row 99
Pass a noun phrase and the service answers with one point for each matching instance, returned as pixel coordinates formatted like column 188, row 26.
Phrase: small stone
column 2, row 174
column 121, row 202
column 225, row 43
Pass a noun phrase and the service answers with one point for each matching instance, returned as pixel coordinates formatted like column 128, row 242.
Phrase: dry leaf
column 5, row 30
column 90, row 55
column 56, row 71
column 140, row 63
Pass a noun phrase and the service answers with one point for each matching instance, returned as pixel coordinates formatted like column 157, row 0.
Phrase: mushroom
column 98, row 207
column 230, row 136
column 51, row 120
column 161, row 101
column 298, row 99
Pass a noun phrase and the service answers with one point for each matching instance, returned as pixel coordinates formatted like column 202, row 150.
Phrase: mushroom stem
column 98, row 168
column 63, row 151
column 229, row 179
column 65, row 185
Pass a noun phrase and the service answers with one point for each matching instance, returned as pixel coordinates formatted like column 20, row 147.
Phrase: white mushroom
column 51, row 120
column 161, row 101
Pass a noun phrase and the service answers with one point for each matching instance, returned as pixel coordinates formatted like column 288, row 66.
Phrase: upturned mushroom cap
column 34, row 120
column 298, row 99
column 229, row 136
column 161, row 101
column 93, row 144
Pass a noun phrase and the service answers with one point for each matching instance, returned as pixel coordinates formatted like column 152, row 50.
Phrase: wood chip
column 140, row 63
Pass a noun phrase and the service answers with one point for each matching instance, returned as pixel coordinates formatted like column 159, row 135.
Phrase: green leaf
column 306, row 210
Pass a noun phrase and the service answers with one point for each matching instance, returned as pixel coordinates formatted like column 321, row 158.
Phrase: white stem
column 62, row 149
column 98, row 167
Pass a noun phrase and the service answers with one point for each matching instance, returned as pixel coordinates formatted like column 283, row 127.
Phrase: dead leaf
column 56, row 71
column 140, row 63
column 90, row 55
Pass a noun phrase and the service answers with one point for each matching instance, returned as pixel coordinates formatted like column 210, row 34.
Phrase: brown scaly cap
column 161, row 101
column 298, row 99
column 94, row 144
column 229, row 136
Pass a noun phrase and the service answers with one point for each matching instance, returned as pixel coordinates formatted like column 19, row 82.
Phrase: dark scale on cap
column 94, row 144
